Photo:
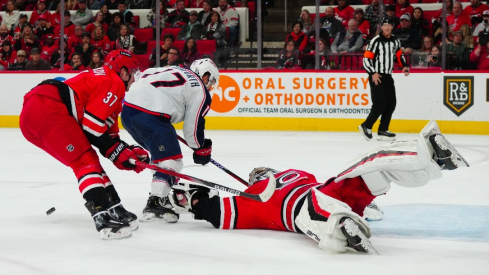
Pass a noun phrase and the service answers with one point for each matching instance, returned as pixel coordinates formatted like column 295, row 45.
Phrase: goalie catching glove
column 120, row 153
column 203, row 154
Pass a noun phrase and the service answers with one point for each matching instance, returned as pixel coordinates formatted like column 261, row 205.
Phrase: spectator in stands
column 324, row 52
column 113, row 31
column 189, row 53
column 344, row 12
column 75, row 40
column 56, row 16
column 7, row 54
column 44, row 29
column 127, row 16
column 94, row 4
column 41, row 9
column 403, row 7
column 99, row 21
column 11, row 16
column 4, row 36
column 419, row 22
column 36, row 63
column 168, row 40
column 197, row 4
column 85, row 49
column 83, row 16
column 173, row 58
column 390, row 10
column 475, row 11
column 19, row 25
column 19, row 63
column 69, row 26
column 306, row 20
column 481, row 53
column 468, row 39
column 484, row 26
column 49, row 48
column 75, row 64
column 427, row 44
column 20, row 5
column 192, row 29
column 458, row 18
column 436, row 20
column 215, row 30
column 100, row 41
column 107, row 15
column 349, row 41
column 56, row 56
column 112, row 4
column 455, row 52
column 230, row 19
column 289, row 57
column 97, row 60
column 434, row 59
column 372, row 15
column 363, row 25
column 163, row 15
column 178, row 17
column 27, row 40
column 330, row 26
column 300, row 39
column 174, row 3
column 409, row 37
column 204, row 15
column 126, row 39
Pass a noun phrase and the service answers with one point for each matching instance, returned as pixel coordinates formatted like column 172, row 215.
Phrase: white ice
column 440, row 228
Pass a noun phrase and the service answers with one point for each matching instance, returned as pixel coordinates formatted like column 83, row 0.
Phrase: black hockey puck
column 50, row 211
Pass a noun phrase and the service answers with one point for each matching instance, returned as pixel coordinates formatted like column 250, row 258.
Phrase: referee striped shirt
column 382, row 53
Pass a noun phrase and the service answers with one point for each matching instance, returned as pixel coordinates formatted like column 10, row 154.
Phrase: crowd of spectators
column 348, row 31
column 91, row 31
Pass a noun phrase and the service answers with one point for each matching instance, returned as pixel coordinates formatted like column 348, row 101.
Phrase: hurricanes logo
column 226, row 96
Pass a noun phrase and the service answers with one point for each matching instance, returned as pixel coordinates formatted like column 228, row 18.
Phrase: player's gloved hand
column 203, row 154
column 120, row 154
column 140, row 153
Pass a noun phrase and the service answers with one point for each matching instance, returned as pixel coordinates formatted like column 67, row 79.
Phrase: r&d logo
column 458, row 93
column 226, row 96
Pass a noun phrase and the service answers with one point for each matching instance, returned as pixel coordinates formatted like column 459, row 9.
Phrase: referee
column 379, row 59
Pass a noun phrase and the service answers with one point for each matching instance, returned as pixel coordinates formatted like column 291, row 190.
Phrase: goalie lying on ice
column 329, row 213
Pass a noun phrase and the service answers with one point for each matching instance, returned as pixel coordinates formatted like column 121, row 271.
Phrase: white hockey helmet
column 206, row 66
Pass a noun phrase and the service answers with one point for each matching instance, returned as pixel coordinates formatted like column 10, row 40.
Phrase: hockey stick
column 262, row 197
column 218, row 165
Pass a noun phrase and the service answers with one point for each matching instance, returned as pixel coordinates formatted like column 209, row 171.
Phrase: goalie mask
column 260, row 173
column 204, row 67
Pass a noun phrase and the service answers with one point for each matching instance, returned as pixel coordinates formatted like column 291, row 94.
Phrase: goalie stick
column 262, row 197
column 219, row 165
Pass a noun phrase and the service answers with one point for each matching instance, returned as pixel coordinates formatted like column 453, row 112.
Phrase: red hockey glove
column 140, row 152
column 203, row 154
column 120, row 154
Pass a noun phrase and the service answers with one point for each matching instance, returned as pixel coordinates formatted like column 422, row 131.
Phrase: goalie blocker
column 330, row 213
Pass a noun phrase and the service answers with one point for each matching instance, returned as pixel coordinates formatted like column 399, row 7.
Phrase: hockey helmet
column 118, row 59
column 205, row 66
column 260, row 173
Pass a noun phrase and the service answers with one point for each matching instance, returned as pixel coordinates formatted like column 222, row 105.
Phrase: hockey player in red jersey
column 330, row 213
column 66, row 118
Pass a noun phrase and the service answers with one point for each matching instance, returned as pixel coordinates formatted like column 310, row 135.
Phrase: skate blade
column 382, row 138
column 170, row 218
column 122, row 233
column 363, row 133
column 353, row 231
column 455, row 153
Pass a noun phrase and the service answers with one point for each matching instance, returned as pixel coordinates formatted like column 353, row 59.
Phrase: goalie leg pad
column 320, row 218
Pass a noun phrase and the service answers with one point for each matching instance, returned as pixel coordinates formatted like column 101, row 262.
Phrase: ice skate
column 386, row 136
column 355, row 237
column 367, row 133
column 159, row 208
column 109, row 227
column 373, row 212
column 445, row 154
column 117, row 211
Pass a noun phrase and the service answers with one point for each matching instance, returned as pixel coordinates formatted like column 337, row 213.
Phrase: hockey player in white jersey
column 158, row 99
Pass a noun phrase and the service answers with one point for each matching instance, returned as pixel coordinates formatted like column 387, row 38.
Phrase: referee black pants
column 383, row 102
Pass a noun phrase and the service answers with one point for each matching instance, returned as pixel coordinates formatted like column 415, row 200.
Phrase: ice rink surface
column 440, row 228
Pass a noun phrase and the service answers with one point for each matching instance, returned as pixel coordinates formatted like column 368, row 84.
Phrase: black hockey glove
column 203, row 154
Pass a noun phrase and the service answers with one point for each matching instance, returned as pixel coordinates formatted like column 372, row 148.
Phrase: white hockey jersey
column 175, row 93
